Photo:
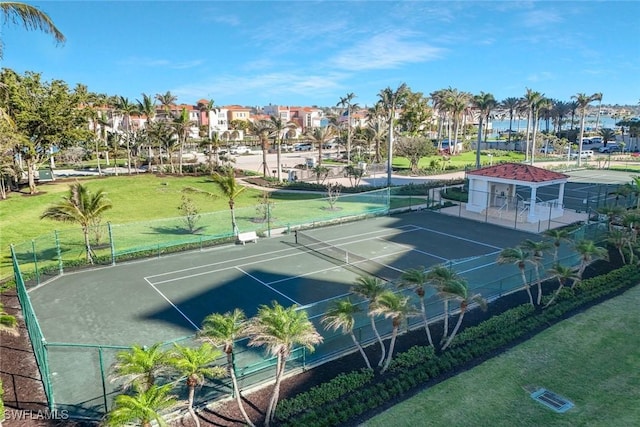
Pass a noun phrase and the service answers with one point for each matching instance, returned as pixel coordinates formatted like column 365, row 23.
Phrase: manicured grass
column 592, row 359
column 461, row 160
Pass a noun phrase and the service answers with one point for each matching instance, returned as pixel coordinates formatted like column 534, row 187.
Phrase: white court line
column 410, row 249
column 461, row 238
column 173, row 305
column 265, row 284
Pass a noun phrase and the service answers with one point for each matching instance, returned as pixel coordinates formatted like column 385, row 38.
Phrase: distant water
column 604, row 122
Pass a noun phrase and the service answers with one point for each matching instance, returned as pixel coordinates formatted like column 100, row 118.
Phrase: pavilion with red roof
column 495, row 186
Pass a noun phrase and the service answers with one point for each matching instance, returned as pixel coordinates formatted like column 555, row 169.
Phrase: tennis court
column 87, row 316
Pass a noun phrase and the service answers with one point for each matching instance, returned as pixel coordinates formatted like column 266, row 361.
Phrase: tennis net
column 344, row 258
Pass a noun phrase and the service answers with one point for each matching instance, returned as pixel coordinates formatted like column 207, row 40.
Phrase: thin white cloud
column 541, row 76
column 134, row 61
column 231, row 20
column 384, row 51
column 541, row 18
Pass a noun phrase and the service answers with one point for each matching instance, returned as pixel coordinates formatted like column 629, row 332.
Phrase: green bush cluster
column 455, row 193
column 422, row 189
column 351, row 395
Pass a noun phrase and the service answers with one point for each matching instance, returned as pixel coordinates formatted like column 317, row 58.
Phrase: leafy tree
column 31, row 18
column 520, row 258
column 398, row 309
column 417, row 279
column 190, row 214
column 140, row 366
column 279, row 329
column 415, row 117
column 459, row 290
column 341, row 315
column 370, row 288
column 82, row 207
column 142, row 408
column 414, row 148
column 224, row 330
column 195, row 364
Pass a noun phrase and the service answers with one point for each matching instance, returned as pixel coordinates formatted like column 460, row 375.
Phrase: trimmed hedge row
column 350, row 395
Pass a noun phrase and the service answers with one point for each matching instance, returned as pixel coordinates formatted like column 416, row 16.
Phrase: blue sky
column 314, row 52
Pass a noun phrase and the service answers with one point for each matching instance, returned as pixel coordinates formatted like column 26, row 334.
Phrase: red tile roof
column 519, row 172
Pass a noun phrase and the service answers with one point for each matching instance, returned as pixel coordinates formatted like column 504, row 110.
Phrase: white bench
column 249, row 236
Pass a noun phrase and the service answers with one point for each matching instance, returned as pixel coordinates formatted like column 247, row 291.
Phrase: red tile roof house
column 491, row 186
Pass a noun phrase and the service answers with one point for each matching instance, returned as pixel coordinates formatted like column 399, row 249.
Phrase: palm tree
column 224, row 330
column 370, row 288
column 619, row 239
column 589, row 253
column 167, row 100
column 537, row 250
column 346, row 102
column 31, row 18
column 231, row 190
column 279, row 329
column 398, row 309
column 341, row 315
column 532, row 100
column 195, row 364
column 321, row 136
column 459, row 290
column 512, row 104
column 597, row 97
column 557, row 235
column 417, row 278
column 140, row 366
column 208, row 108
column 520, row 258
column 82, row 207
column 126, row 109
column 484, row 102
column 583, row 102
column 439, row 276
column 8, row 323
column 390, row 101
column 279, row 127
column 564, row 275
column 143, row 407
column 263, row 129
column 182, row 125
column 607, row 135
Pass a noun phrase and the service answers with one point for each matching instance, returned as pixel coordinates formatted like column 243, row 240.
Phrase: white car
column 240, row 149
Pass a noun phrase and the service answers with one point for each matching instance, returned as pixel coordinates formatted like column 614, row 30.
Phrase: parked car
column 584, row 154
column 596, row 140
column 240, row 149
column 610, row 148
column 302, row 147
column 547, row 150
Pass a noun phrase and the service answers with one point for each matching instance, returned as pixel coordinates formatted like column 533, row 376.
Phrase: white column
column 561, row 195
column 532, row 217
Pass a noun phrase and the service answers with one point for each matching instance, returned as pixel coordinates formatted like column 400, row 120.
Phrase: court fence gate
column 95, row 398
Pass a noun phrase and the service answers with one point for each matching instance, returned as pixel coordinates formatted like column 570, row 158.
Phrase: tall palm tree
column 484, row 102
column 231, row 190
column 537, row 250
column 564, row 275
column 390, row 101
column 346, row 102
column 182, row 125
column 417, row 278
column 224, row 330
column 459, row 290
column 370, row 288
column 597, row 97
column 167, row 100
column 279, row 128
column 321, row 136
column 127, row 109
column 439, row 276
column 398, row 309
column 195, row 364
column 520, row 258
column 620, row 239
column 140, row 366
column 589, row 253
column 532, row 100
column 31, row 18
column 263, row 129
column 142, row 408
column 557, row 236
column 279, row 329
column 341, row 315
column 8, row 323
column 208, row 108
column 512, row 105
column 82, row 207
column 583, row 102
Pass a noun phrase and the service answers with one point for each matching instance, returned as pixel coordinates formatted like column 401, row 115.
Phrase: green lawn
column 464, row 159
column 591, row 359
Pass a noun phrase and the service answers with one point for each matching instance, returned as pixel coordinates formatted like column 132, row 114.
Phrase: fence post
column 111, row 245
column 58, row 252
column 268, row 219
column 104, row 386
column 35, row 260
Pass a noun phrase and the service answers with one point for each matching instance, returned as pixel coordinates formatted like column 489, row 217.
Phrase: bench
column 249, row 236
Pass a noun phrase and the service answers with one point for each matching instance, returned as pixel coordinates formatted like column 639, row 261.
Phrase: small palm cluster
column 387, row 302
column 277, row 328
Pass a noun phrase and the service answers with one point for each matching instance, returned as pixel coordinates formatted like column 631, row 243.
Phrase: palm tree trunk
column 555, row 295
column 455, row 330
column 445, row 327
column 423, row 309
column 278, row 155
column 265, row 168
column 375, row 331
column 271, row 409
column 392, row 344
column 87, row 244
column 192, row 391
column 236, row 389
column 360, row 349
column 539, row 283
column 526, row 286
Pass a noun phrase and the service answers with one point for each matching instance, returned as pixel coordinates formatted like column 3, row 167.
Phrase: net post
column 104, row 386
column 295, row 233
column 35, row 260
column 111, row 245
column 58, row 252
